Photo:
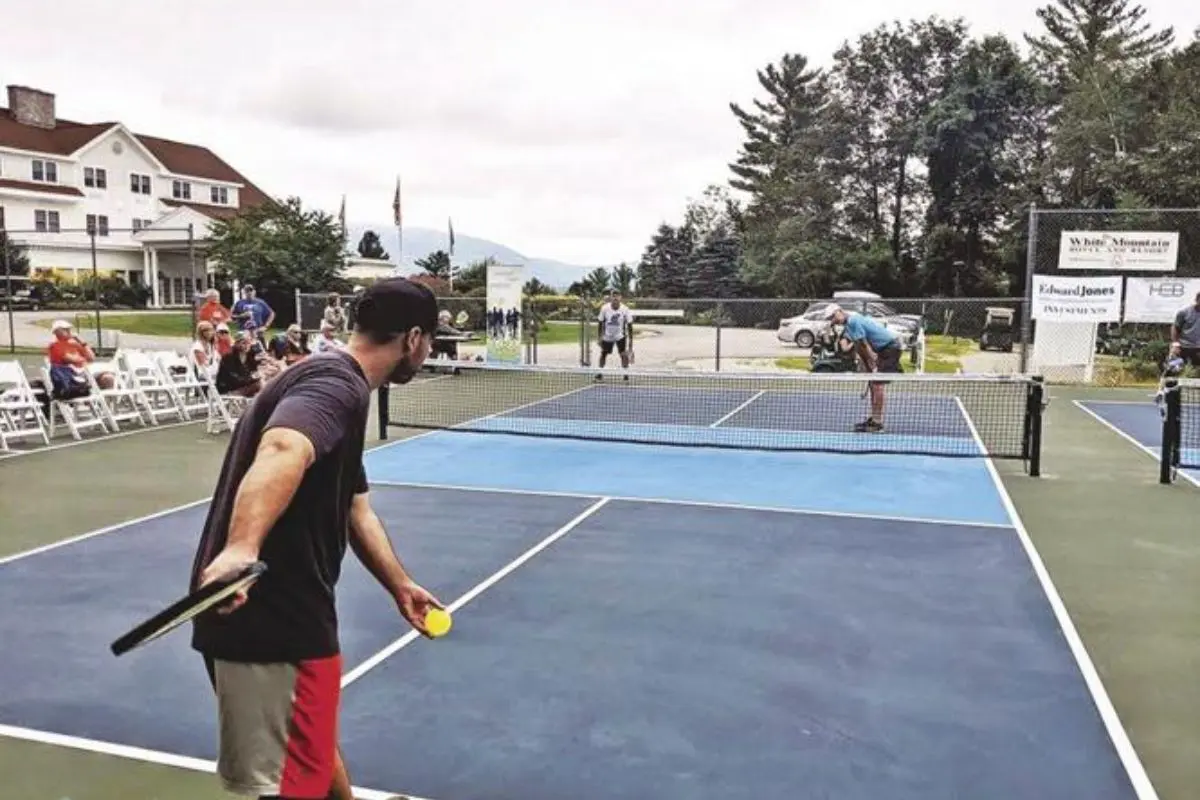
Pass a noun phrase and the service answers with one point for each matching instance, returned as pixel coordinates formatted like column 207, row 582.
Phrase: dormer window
column 220, row 195
column 45, row 171
column 181, row 190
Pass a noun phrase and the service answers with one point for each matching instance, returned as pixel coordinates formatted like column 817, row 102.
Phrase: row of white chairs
column 147, row 388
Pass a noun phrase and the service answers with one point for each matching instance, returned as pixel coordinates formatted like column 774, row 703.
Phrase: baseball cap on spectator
column 830, row 310
column 396, row 305
column 60, row 325
column 222, row 328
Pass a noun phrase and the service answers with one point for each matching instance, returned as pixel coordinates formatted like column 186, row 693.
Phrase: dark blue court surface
column 848, row 627
column 1141, row 423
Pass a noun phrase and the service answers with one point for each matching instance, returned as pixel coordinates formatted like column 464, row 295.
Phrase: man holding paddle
column 293, row 494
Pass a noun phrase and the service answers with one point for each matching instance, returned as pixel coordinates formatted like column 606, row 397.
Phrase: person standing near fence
column 879, row 350
column 1185, row 334
column 616, row 329
column 251, row 312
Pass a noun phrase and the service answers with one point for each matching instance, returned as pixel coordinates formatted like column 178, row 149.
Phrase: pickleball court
column 643, row 608
column 1142, row 423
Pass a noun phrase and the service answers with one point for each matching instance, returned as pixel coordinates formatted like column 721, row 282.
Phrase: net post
column 1034, row 406
column 383, row 411
column 1169, row 457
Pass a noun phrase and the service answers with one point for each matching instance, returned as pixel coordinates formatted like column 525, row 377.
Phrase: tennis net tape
column 943, row 415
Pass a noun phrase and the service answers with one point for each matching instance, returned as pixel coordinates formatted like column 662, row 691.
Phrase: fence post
column 1027, row 301
column 191, row 240
column 8, row 291
column 585, row 350
column 96, row 291
column 720, row 311
column 296, row 293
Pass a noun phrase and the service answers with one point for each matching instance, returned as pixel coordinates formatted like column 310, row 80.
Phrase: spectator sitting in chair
column 443, row 346
column 212, row 311
column 327, row 340
column 267, row 365
column 238, row 372
column 223, row 341
column 289, row 347
column 69, row 352
column 204, row 351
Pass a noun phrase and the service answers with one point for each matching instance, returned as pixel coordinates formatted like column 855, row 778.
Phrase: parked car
column 803, row 330
column 22, row 299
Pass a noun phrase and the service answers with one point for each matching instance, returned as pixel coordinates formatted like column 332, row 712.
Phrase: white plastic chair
column 77, row 413
column 123, row 402
column 21, row 415
column 156, row 395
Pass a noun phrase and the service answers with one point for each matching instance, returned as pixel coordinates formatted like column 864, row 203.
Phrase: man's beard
column 404, row 372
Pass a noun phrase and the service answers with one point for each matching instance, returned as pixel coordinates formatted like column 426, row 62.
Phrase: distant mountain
column 420, row 242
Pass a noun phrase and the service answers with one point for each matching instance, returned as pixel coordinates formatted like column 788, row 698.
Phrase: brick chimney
column 31, row 107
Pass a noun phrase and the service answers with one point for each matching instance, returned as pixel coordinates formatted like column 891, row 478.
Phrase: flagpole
column 399, row 220
column 450, row 228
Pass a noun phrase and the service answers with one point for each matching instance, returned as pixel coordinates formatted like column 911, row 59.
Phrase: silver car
column 804, row 329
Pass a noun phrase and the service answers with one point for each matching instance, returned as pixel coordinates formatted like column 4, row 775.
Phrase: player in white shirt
column 616, row 330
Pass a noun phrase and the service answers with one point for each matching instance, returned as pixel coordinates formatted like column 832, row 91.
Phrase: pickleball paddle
column 189, row 607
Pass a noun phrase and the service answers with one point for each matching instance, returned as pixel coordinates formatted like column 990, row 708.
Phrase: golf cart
column 997, row 330
column 829, row 353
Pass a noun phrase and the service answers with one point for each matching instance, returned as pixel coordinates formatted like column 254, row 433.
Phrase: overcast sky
column 565, row 130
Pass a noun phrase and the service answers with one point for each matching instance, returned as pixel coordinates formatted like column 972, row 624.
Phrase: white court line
column 101, row 531
column 149, row 756
column 377, row 659
column 1150, row 451
column 1112, row 721
column 108, row 437
column 739, row 408
column 695, row 504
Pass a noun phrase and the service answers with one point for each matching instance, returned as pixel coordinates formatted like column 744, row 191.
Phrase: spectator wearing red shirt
column 212, row 310
column 68, row 350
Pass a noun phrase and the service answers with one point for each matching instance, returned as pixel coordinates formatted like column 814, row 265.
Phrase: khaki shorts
column 278, row 726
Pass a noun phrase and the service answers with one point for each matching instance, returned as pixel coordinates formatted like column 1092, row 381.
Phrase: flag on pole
column 450, row 224
column 397, row 217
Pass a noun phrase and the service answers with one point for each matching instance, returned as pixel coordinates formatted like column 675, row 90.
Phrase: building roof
column 180, row 158
column 44, row 188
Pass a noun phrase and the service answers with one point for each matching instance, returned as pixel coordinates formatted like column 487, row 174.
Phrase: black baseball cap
column 396, row 305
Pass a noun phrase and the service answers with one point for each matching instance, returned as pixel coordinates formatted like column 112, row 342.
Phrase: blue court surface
column 1141, row 424
column 631, row 621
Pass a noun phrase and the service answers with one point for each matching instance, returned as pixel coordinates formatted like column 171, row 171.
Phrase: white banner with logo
column 503, row 315
column 1067, row 299
column 1158, row 299
column 1129, row 251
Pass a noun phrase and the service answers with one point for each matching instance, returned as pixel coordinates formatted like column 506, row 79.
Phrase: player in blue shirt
column 878, row 350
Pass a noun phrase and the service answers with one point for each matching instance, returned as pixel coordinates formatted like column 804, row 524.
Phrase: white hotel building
column 60, row 179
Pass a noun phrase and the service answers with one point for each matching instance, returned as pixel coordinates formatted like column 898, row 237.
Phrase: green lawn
column 557, row 333
column 167, row 323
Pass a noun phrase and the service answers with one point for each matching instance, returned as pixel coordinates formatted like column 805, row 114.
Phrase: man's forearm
column 374, row 549
column 265, row 492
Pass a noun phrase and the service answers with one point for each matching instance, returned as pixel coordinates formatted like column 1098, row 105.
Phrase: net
column 1181, row 427
column 942, row 415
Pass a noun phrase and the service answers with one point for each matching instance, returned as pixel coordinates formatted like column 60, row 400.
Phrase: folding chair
column 21, row 415
column 77, row 413
column 155, row 392
column 181, row 376
column 123, row 402
column 224, row 411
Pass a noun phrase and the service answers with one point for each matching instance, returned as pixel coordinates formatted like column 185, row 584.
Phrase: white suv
column 804, row 329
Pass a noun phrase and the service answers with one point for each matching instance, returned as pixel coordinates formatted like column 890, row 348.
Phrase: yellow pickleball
column 438, row 622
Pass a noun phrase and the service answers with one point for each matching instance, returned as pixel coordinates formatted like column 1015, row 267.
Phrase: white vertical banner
column 504, row 324
column 1129, row 251
column 1068, row 299
column 1158, row 299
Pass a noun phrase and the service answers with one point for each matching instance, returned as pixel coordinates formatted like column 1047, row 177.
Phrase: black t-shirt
column 291, row 614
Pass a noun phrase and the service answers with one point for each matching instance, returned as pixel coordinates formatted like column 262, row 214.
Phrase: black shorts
column 607, row 347
column 1190, row 355
column 888, row 360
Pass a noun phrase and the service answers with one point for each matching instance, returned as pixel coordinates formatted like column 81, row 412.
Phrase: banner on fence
column 504, row 292
column 1128, row 251
column 1158, row 299
column 1067, row 299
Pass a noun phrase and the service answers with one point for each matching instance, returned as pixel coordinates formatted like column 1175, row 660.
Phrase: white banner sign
column 1068, row 299
column 504, row 292
column 1130, row 251
column 1158, row 299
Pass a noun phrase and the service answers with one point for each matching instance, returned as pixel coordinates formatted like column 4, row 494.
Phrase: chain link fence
column 1130, row 246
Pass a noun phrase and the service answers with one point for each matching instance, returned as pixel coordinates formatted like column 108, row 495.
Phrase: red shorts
column 278, row 726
